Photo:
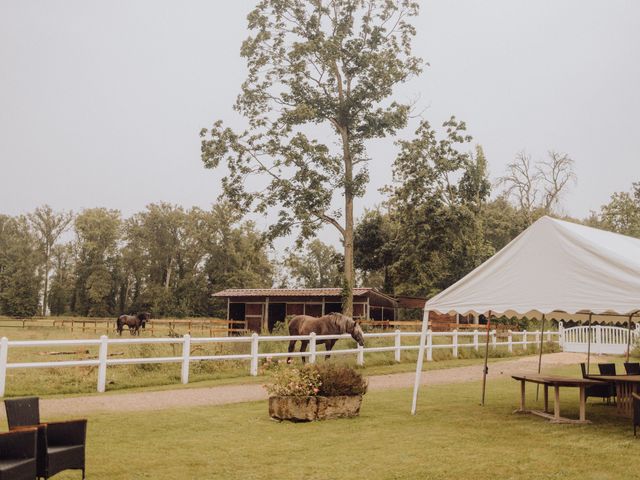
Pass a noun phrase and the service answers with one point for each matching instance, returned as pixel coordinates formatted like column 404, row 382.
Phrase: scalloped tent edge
column 554, row 268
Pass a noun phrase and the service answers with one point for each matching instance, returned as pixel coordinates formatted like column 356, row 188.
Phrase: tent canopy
column 555, row 268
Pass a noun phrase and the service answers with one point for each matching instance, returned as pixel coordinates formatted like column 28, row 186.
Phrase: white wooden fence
column 474, row 339
column 605, row 339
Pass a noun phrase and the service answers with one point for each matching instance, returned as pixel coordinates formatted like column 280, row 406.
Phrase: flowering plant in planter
column 315, row 392
column 294, row 382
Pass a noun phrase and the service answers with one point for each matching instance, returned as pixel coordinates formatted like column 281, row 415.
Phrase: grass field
column 74, row 380
column 452, row 437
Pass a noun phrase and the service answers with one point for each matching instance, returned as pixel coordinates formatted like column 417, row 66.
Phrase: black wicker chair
column 607, row 368
column 18, row 454
column 605, row 391
column 636, row 411
column 632, row 368
column 61, row 445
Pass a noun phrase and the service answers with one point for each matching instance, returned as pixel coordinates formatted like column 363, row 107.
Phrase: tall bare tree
column 538, row 187
column 320, row 77
column 48, row 225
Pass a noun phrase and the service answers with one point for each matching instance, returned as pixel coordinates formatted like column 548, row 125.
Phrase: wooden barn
column 262, row 308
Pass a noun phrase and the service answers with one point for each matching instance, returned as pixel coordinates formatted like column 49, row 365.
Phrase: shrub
column 296, row 382
column 327, row 380
column 336, row 380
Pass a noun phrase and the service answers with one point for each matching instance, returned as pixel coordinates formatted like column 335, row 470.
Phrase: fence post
column 360, row 357
column 102, row 365
column 524, row 340
column 494, row 340
column 254, row 354
column 398, row 340
column 429, row 345
column 537, row 339
column 455, row 343
column 186, row 352
column 598, row 342
column 510, row 342
column 475, row 340
column 4, row 350
column 312, row 347
column 561, row 333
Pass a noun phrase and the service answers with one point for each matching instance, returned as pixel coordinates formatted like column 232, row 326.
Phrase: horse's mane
column 341, row 322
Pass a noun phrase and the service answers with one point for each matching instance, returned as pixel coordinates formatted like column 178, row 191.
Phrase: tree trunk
column 348, row 281
column 46, row 281
column 347, row 294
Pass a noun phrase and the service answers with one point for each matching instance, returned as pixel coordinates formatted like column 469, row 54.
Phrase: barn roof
column 295, row 292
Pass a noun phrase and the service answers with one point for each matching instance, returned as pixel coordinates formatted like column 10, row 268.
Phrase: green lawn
column 452, row 437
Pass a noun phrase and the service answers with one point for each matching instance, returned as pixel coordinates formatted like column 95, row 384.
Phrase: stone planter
column 306, row 409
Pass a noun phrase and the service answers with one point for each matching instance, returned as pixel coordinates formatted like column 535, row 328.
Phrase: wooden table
column 625, row 386
column 556, row 382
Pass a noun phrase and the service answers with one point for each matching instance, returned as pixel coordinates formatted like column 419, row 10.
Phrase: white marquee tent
column 554, row 268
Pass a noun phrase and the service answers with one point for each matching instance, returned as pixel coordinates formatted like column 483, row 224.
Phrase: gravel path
column 225, row 394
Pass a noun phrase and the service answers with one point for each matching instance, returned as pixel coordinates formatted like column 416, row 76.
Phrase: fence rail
column 475, row 339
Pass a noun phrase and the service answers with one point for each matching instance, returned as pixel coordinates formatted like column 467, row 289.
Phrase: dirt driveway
column 147, row 401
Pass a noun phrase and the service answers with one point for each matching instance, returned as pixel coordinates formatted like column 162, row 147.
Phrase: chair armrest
column 70, row 432
column 18, row 443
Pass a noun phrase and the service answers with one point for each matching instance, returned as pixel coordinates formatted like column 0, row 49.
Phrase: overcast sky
column 101, row 103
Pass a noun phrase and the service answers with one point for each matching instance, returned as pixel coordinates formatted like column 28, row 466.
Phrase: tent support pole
column 629, row 335
column 589, row 343
column 486, row 359
column 540, row 356
column 423, row 338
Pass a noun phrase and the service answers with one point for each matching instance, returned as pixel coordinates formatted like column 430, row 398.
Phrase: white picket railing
column 605, row 339
column 475, row 339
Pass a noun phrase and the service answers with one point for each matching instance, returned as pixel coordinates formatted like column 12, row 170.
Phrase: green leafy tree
column 320, row 265
column 98, row 231
column 62, row 280
column 374, row 250
column 437, row 201
column 20, row 260
column 48, row 225
column 622, row 213
column 320, row 78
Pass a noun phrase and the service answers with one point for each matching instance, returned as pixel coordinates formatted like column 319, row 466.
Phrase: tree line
column 165, row 259
column 437, row 223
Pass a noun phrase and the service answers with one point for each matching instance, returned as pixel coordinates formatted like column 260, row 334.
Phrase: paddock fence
column 454, row 341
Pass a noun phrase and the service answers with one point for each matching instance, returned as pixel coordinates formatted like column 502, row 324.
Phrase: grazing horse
column 332, row 324
column 134, row 322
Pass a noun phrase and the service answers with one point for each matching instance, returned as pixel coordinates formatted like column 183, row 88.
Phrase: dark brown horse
column 134, row 322
column 332, row 324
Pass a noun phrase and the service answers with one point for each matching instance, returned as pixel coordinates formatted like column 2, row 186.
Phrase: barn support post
column 265, row 317
column 323, row 306
column 416, row 383
column 228, row 309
